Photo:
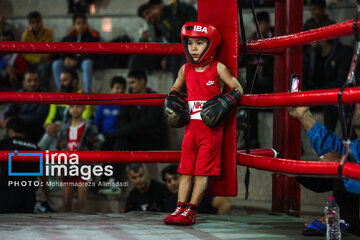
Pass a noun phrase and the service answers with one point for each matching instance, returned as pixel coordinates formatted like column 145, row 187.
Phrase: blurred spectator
column 12, row 66
column 36, row 32
column 80, row 33
column 33, row 114
column 324, row 67
column 148, row 33
column 59, row 114
column 138, row 127
column 78, row 135
column 116, row 60
column 264, row 80
column 2, row 24
column 318, row 16
column 79, row 6
column 105, row 120
column 209, row 204
column 18, row 199
column 169, row 19
column 265, row 72
column 325, row 63
column 147, row 194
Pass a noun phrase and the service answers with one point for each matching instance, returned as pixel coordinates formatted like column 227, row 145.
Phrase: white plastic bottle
column 332, row 216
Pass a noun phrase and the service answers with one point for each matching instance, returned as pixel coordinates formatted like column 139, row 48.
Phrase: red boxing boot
column 188, row 217
column 180, row 207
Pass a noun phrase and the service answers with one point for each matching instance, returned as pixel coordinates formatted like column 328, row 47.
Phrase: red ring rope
column 265, row 45
column 307, row 98
column 123, row 156
column 92, row 48
column 259, row 158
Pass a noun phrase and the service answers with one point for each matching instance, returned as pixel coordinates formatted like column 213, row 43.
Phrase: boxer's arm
column 226, row 76
column 180, row 80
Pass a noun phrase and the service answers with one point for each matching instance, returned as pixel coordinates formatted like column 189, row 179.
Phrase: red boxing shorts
column 201, row 149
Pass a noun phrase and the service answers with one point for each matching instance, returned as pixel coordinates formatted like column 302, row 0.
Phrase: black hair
column 72, row 73
column 263, row 16
column 171, row 169
column 155, row 2
column 141, row 9
column 136, row 167
column 30, row 71
column 34, row 15
column 78, row 15
column 18, row 125
column 8, row 33
column 138, row 74
column 319, row 3
column 118, row 79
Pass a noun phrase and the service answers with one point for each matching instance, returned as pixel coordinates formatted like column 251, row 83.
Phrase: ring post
column 287, row 131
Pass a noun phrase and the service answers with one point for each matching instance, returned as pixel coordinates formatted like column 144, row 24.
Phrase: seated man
column 324, row 142
column 33, row 114
column 36, row 32
column 12, row 66
column 209, row 204
column 80, row 33
column 147, row 194
column 59, row 114
column 138, row 127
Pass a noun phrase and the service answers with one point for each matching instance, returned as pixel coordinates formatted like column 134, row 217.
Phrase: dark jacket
column 33, row 114
column 151, row 200
column 312, row 24
column 264, row 82
column 89, row 36
column 175, row 15
column 334, row 70
column 143, row 127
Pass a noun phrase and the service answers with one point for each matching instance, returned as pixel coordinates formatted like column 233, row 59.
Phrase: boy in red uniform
column 207, row 108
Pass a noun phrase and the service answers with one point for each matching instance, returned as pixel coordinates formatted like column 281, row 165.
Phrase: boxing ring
column 286, row 48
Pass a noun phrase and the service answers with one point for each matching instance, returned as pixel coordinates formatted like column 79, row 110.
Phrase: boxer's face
column 196, row 47
column 172, row 182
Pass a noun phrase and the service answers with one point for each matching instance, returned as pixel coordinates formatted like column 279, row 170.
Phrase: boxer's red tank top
column 202, row 86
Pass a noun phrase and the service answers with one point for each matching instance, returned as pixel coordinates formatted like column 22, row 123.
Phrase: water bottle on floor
column 332, row 216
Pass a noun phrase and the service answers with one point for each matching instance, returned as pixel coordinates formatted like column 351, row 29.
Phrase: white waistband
column 195, row 108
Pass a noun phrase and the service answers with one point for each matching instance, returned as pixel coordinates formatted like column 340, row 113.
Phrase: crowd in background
column 118, row 128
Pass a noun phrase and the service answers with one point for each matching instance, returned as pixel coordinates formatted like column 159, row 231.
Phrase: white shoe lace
column 177, row 211
column 186, row 212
